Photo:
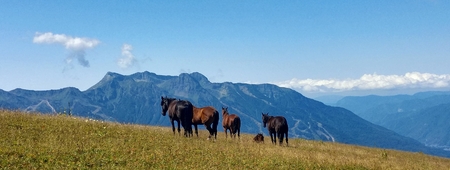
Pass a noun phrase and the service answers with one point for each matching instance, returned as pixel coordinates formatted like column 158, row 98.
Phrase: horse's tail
column 185, row 113
column 215, row 122
column 286, row 132
column 236, row 124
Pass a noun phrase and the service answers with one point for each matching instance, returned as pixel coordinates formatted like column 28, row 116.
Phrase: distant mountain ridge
column 424, row 116
column 136, row 99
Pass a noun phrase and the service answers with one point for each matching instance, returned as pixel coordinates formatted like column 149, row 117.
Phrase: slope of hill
column 136, row 99
column 429, row 126
column 422, row 116
column 36, row 141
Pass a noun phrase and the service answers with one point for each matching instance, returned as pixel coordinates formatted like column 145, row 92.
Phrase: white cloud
column 71, row 43
column 128, row 58
column 370, row 82
column 76, row 45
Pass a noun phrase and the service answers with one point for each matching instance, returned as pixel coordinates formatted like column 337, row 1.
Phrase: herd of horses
column 186, row 114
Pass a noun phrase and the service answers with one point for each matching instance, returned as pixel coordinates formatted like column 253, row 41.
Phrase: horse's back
column 236, row 121
column 204, row 113
column 283, row 121
column 279, row 123
column 230, row 119
column 208, row 110
column 235, row 118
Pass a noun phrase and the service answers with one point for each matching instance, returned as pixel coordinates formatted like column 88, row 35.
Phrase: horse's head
column 265, row 118
column 164, row 105
column 224, row 110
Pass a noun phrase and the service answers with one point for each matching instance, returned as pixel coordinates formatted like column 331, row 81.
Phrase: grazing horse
column 277, row 125
column 180, row 111
column 231, row 122
column 259, row 138
column 207, row 116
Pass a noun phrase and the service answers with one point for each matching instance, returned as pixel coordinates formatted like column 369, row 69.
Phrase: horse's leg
column 178, row 122
column 274, row 138
column 186, row 132
column 225, row 130
column 232, row 132
column 190, row 131
column 215, row 133
column 189, row 128
column 210, row 130
column 272, row 135
column 287, row 143
column 173, row 126
column 196, row 130
column 239, row 133
column 280, row 137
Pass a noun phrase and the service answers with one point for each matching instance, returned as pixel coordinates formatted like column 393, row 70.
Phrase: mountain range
column 136, row 99
column 424, row 116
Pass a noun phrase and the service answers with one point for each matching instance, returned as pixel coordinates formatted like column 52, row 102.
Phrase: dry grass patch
column 36, row 141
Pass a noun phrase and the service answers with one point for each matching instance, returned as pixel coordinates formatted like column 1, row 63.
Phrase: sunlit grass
column 37, row 141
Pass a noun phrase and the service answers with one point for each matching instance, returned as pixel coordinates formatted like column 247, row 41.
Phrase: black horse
column 180, row 111
column 277, row 125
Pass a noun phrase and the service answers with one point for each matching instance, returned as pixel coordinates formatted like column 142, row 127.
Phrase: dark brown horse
column 207, row 116
column 231, row 122
column 180, row 111
column 277, row 125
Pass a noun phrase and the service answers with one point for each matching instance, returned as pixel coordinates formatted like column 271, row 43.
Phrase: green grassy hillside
column 37, row 141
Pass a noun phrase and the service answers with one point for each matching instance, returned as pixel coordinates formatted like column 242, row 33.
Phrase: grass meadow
column 42, row 141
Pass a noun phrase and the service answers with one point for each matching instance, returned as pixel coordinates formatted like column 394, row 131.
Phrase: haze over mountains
column 423, row 116
column 136, row 99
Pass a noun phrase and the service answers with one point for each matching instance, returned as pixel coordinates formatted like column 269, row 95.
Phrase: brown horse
column 180, row 111
column 259, row 138
column 207, row 116
column 277, row 125
column 231, row 122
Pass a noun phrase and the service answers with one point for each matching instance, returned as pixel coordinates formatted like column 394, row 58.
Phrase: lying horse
column 231, row 122
column 259, row 138
column 180, row 111
column 207, row 116
column 277, row 126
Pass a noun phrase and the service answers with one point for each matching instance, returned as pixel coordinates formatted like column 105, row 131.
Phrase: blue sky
column 315, row 47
